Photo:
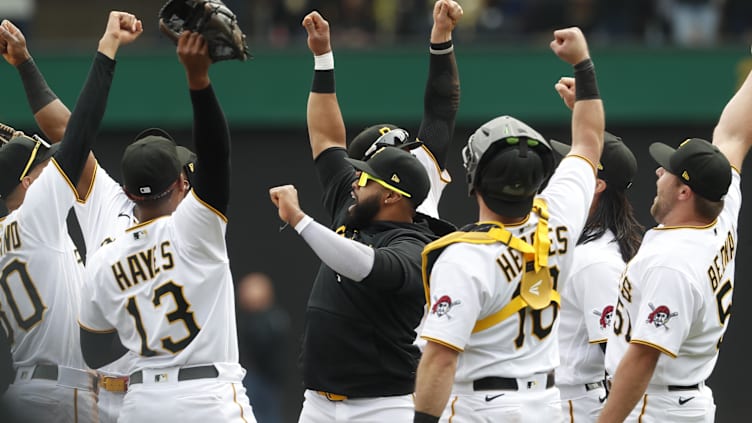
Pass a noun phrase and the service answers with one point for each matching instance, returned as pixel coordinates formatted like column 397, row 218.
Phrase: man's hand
column 13, row 44
column 122, row 28
column 446, row 13
column 193, row 52
column 565, row 88
column 285, row 197
column 570, row 45
column 319, row 39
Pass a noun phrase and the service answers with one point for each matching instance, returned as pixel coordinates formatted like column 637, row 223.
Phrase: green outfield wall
column 638, row 86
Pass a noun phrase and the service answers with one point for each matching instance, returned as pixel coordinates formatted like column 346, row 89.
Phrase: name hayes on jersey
column 143, row 265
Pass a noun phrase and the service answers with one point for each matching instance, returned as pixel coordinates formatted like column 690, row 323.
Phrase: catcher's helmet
column 506, row 163
column 374, row 137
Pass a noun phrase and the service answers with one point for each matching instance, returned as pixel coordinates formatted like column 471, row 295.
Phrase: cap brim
column 363, row 167
column 185, row 155
column 662, row 153
column 560, row 148
column 48, row 154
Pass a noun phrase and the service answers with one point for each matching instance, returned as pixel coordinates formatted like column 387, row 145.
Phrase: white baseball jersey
column 676, row 296
column 587, row 304
column 439, row 179
column 472, row 281
column 165, row 286
column 42, row 275
column 105, row 213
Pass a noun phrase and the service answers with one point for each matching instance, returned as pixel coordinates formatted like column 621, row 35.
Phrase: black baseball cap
column 617, row 166
column 18, row 156
column 186, row 156
column 150, row 165
column 398, row 169
column 699, row 164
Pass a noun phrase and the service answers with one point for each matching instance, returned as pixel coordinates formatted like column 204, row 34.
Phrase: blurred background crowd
column 363, row 23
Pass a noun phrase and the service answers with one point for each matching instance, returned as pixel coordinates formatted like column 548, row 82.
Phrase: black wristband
column 441, row 48
column 424, row 418
column 586, row 85
column 38, row 93
column 323, row 81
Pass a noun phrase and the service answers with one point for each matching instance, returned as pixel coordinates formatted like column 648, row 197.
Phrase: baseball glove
column 210, row 18
column 7, row 133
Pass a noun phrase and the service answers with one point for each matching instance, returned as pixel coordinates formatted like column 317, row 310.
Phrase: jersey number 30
column 182, row 312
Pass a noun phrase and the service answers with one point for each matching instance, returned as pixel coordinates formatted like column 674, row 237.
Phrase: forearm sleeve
column 212, row 141
column 441, row 101
column 349, row 258
column 38, row 93
column 86, row 117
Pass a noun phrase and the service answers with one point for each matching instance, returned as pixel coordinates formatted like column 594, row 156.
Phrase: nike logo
column 493, row 397
column 603, row 398
column 683, row 400
column 534, row 289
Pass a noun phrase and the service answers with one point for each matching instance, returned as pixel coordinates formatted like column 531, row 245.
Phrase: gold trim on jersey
column 652, row 345
column 644, row 407
column 446, row 344
column 598, row 341
column 737, row 170
column 708, row 226
column 571, row 411
column 75, row 405
column 62, row 173
column 451, row 407
column 205, row 204
column 148, row 222
column 88, row 329
column 435, row 162
column 235, row 400
column 91, row 184
column 595, row 168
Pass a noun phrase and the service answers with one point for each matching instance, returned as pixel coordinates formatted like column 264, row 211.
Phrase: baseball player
column 674, row 301
column 41, row 275
column 611, row 238
column 440, row 105
column 491, row 288
column 163, row 289
column 103, row 209
column 358, row 355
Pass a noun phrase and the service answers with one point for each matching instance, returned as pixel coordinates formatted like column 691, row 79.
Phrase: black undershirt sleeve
column 84, row 122
column 6, row 363
column 440, row 104
column 100, row 349
column 211, row 136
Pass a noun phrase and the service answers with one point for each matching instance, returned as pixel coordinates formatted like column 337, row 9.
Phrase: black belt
column 684, row 388
column 42, row 371
column 593, row 385
column 187, row 373
column 495, row 383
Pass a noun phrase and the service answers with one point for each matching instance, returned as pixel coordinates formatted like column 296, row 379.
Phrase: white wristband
column 305, row 221
column 324, row 61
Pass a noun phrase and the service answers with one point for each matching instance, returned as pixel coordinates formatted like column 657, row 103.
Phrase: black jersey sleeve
column 211, row 136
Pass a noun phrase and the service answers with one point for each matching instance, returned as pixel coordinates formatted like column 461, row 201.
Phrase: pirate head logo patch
column 443, row 306
column 604, row 315
column 660, row 316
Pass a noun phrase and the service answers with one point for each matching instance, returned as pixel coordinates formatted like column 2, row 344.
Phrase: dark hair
column 707, row 209
column 614, row 212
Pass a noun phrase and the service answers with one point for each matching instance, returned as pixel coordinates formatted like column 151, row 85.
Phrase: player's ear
column 600, row 185
column 391, row 197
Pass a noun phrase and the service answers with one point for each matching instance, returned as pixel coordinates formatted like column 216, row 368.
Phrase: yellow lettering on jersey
column 167, row 255
column 562, row 236
column 626, row 288
column 720, row 261
column 137, row 272
column 120, row 277
column 11, row 239
column 510, row 262
column 147, row 258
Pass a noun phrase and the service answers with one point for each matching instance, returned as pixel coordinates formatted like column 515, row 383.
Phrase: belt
column 187, row 373
column 113, row 384
column 332, row 397
column 41, row 371
column 684, row 388
column 495, row 383
column 594, row 385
